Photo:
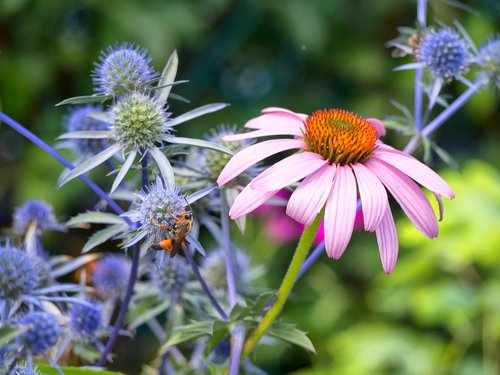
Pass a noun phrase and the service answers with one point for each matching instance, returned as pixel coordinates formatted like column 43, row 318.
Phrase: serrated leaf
column 197, row 112
column 199, row 143
column 168, row 77
column 95, row 134
column 187, row 333
column 49, row 370
column 179, row 98
column 95, row 98
column 9, row 333
column 196, row 244
column 163, row 165
column 289, row 333
column 200, row 194
column 100, row 116
column 94, row 217
column 91, row 163
column 445, row 156
column 262, row 302
column 102, row 236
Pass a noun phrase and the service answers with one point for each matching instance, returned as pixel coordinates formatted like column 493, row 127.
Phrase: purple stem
column 237, row 341
column 203, row 284
column 136, row 256
column 44, row 146
column 418, row 99
column 421, row 12
column 311, row 259
column 226, row 239
column 124, row 306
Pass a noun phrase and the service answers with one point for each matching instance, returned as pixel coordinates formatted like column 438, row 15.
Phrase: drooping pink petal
column 340, row 212
column 387, row 239
column 378, row 125
column 302, row 116
column 280, row 119
column 248, row 200
column 253, row 154
column 440, row 205
column 414, row 169
column 409, row 196
column 288, row 171
column 266, row 132
column 310, row 196
column 373, row 196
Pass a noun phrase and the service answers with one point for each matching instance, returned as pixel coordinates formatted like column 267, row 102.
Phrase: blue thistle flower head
column 78, row 120
column 160, row 204
column 138, row 121
column 17, row 274
column 23, row 370
column 42, row 331
column 33, row 210
column 489, row 60
column 111, row 275
column 171, row 275
column 86, row 320
column 445, row 53
column 122, row 69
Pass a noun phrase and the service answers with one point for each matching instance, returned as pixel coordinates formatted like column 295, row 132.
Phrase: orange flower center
column 340, row 136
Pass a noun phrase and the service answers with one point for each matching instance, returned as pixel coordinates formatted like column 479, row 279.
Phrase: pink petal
column 409, row 196
column 248, row 200
column 268, row 131
column 276, row 119
column 253, row 154
column 373, row 196
column 415, row 169
column 340, row 212
column 302, row 116
column 378, row 125
column 387, row 239
column 288, row 171
column 310, row 196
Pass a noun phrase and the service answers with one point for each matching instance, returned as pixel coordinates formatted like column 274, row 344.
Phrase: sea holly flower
column 17, row 274
column 214, row 270
column 489, row 61
column 140, row 126
column 86, row 319
column 446, row 54
column 170, row 276
column 123, row 68
column 340, row 154
column 110, row 275
column 42, row 331
column 36, row 212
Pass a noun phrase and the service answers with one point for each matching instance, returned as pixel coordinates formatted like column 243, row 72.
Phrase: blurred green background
column 439, row 312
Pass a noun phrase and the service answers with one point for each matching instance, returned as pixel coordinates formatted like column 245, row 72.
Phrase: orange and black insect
column 178, row 233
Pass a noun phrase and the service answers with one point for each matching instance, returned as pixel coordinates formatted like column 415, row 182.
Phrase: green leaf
column 101, row 116
column 168, row 77
column 149, row 314
column 49, row 370
column 261, row 302
column 197, row 112
column 95, row 98
column 95, row 134
column 188, row 332
column 179, row 98
column 91, row 163
column 444, row 156
column 8, row 333
column 200, row 194
column 102, row 236
column 95, row 217
column 289, row 333
column 123, row 170
column 163, row 165
column 199, row 143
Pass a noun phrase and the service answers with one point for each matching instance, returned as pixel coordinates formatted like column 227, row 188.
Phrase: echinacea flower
column 340, row 155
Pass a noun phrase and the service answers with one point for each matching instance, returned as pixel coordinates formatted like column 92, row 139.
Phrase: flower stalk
column 287, row 284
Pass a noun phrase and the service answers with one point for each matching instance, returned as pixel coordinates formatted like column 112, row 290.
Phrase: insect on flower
column 178, row 233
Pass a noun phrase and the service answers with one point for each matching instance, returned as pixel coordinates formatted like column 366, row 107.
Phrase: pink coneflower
column 340, row 156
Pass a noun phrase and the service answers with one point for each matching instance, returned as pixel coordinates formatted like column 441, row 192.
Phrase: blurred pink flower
column 340, row 154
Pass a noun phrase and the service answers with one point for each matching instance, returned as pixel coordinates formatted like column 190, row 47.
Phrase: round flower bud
column 42, row 331
column 445, row 52
column 123, row 68
column 34, row 210
column 85, row 320
column 138, row 121
column 171, row 275
column 111, row 275
column 17, row 275
column 214, row 269
column 489, row 61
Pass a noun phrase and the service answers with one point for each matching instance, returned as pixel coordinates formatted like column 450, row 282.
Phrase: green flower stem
column 287, row 284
